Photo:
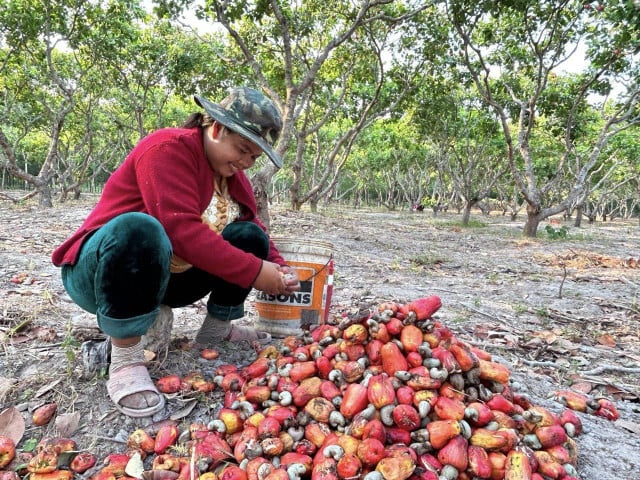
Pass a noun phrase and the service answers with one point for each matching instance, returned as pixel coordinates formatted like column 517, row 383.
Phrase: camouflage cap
column 251, row 114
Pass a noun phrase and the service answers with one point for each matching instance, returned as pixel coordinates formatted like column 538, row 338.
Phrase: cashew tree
column 46, row 67
column 512, row 52
column 323, row 63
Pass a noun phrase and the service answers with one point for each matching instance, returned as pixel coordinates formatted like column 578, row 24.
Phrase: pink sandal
column 130, row 380
column 213, row 330
column 239, row 333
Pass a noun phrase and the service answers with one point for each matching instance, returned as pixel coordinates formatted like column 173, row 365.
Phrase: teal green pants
column 122, row 275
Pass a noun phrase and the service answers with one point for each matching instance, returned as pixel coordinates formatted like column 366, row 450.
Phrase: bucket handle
column 320, row 270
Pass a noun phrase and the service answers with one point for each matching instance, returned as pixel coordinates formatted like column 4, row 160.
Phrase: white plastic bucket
column 285, row 315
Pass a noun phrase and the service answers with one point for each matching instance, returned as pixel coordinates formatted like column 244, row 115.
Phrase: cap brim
column 221, row 115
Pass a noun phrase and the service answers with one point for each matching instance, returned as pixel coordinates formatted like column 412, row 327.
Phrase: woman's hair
column 198, row 119
column 203, row 120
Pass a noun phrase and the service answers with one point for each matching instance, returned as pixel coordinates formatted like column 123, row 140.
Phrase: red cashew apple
column 42, row 415
column 7, row 451
column 82, row 462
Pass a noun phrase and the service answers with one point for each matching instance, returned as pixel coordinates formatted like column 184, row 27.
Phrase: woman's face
column 228, row 152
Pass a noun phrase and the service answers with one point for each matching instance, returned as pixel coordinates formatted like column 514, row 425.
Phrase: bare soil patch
column 559, row 313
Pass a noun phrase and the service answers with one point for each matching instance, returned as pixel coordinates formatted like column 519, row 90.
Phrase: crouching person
column 177, row 222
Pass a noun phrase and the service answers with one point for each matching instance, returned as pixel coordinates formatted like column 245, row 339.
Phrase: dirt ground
column 559, row 313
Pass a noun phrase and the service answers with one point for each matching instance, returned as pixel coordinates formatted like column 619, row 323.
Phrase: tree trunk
column 46, row 196
column 466, row 214
column 533, row 220
column 578, row 221
column 260, row 182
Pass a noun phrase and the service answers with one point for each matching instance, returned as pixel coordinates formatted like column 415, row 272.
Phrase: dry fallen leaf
column 159, row 475
column 135, row 467
column 5, row 386
column 546, row 335
column 184, row 411
column 44, row 334
column 149, row 356
column 584, row 387
column 12, row 424
column 606, row 340
column 481, row 331
column 67, row 424
column 632, row 427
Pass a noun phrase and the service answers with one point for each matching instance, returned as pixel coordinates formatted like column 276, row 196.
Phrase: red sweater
column 168, row 177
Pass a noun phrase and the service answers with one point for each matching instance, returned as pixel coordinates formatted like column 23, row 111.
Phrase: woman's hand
column 291, row 279
column 271, row 280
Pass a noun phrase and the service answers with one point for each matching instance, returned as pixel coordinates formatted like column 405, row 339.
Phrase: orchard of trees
column 529, row 106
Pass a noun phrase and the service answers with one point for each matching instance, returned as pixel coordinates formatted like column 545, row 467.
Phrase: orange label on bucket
column 305, row 307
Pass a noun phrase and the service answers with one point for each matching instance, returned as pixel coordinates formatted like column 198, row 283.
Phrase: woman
column 176, row 222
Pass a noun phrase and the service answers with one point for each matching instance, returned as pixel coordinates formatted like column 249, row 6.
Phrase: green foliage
column 542, row 312
column 458, row 224
column 520, row 308
column 69, row 345
column 556, row 233
column 30, row 444
column 115, row 73
column 426, row 260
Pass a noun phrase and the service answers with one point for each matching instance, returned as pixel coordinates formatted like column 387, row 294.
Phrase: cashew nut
column 334, row 451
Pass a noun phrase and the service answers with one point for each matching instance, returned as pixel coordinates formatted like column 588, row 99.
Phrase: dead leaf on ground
column 135, row 467
column 582, row 386
column 12, row 424
column 67, row 424
column 5, row 386
column 619, row 392
column 149, row 356
column 481, row 331
column 607, row 340
column 511, row 340
column 548, row 336
column 44, row 334
column 184, row 411
column 632, row 427
column 564, row 346
column 159, row 475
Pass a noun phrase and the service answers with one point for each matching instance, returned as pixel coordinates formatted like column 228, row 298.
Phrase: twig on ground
column 108, row 439
column 612, row 369
column 488, row 315
column 46, row 347
column 623, row 387
column 554, row 314
column 484, row 344
column 4, row 196
column 538, row 363
column 19, row 327
column 629, row 282
column 564, row 277
column 631, row 308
